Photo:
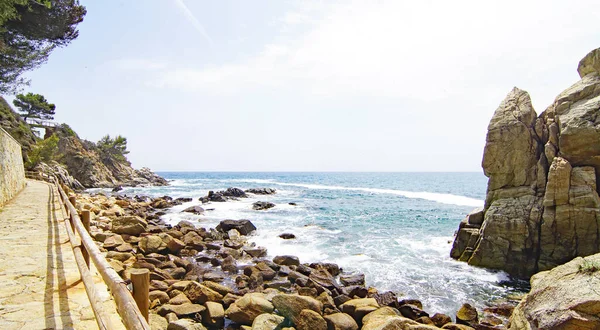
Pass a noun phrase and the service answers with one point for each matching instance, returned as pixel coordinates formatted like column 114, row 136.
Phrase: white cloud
column 395, row 48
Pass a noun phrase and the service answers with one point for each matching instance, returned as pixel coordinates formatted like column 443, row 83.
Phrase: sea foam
column 431, row 196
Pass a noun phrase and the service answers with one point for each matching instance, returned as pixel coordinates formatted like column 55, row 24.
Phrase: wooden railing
column 85, row 248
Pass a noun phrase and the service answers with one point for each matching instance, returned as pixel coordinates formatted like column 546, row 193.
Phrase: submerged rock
column 262, row 205
column 261, row 191
column 244, row 227
column 196, row 209
column 287, row 236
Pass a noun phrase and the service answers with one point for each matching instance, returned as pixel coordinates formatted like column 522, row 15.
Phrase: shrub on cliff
column 113, row 149
column 11, row 122
column 44, row 151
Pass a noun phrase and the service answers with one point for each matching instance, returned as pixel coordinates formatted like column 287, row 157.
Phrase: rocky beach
column 215, row 278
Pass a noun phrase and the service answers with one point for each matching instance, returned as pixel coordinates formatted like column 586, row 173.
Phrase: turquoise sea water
column 396, row 228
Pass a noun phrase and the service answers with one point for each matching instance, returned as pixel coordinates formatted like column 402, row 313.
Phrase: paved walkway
column 40, row 286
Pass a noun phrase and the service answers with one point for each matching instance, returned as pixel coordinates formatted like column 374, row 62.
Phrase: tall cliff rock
column 542, row 203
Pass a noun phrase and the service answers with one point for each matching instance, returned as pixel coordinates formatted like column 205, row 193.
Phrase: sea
column 396, row 228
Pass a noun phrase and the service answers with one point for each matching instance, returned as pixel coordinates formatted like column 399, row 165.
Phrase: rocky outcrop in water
column 542, row 204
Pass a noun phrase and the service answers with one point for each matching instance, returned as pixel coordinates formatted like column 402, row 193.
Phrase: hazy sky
column 310, row 85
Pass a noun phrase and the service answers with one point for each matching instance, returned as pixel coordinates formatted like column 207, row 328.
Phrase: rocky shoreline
column 214, row 278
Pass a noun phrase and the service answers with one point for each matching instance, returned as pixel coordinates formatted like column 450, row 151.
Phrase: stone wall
column 12, row 172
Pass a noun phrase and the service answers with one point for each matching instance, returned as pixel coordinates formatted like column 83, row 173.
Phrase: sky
column 310, row 85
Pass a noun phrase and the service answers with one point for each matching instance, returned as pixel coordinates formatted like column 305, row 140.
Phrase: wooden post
column 73, row 201
column 140, row 279
column 85, row 219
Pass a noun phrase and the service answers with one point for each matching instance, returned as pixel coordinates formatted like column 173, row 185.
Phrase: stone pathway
column 40, row 286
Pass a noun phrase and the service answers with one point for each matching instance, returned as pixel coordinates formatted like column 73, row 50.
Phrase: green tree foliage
column 66, row 130
column 29, row 31
column 34, row 106
column 44, row 151
column 113, row 149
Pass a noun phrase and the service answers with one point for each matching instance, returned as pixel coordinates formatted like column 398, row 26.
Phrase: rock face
column 84, row 163
column 542, row 204
column 60, row 171
column 562, row 298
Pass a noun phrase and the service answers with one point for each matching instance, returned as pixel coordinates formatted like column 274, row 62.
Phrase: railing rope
column 85, row 248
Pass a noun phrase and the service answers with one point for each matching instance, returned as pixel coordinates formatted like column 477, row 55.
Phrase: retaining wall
column 12, row 172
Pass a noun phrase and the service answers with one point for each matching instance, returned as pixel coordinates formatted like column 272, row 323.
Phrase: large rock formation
column 542, row 204
column 562, row 298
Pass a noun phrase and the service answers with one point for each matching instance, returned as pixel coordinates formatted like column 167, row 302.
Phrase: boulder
column 340, row 321
column 152, row 244
column 310, row 320
column 291, row 305
column 179, row 299
column 455, row 326
column 185, row 324
column 352, row 279
column 467, row 315
column 229, row 265
column 233, row 192
column 358, row 308
column 163, row 297
column 256, row 252
column 387, row 298
column 388, row 318
column 412, row 312
column 223, row 290
column 261, row 191
column 562, row 298
column 267, row 322
column 440, row 319
column 157, row 322
column 200, row 294
column 244, row 227
column 323, row 278
column 214, row 315
column 183, row 310
column 246, row 309
column 130, row 225
column 287, row 260
column 196, row 209
column 113, row 241
column 262, row 205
